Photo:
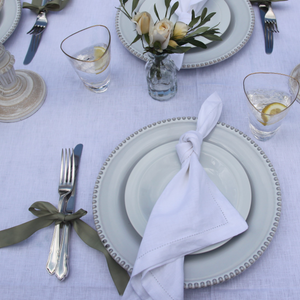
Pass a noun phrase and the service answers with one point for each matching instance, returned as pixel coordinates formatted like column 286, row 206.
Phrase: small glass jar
column 161, row 77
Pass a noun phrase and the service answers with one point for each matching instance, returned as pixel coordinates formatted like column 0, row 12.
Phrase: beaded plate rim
column 199, row 284
column 15, row 22
column 206, row 63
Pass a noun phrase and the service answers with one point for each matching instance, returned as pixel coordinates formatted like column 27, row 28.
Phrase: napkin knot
column 189, row 143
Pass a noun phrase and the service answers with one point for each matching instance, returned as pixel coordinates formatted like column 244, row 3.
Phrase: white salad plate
column 155, row 170
column 121, row 239
column 236, row 36
column 10, row 15
column 221, row 19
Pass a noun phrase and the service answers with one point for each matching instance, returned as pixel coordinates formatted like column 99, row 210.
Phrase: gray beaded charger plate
column 9, row 18
column 234, row 39
column 205, row 269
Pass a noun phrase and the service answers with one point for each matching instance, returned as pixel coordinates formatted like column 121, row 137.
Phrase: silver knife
column 268, row 34
column 62, row 267
column 34, row 44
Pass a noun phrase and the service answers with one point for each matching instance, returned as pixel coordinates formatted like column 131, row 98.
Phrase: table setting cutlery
column 62, row 267
column 270, row 19
column 269, row 22
column 40, row 24
column 41, row 7
column 66, row 185
column 64, row 217
column 36, row 32
column 268, row 34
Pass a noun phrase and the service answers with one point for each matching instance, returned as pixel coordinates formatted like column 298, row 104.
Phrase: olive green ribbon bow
column 47, row 214
column 54, row 5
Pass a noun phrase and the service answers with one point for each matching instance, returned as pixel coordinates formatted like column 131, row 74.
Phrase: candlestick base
column 24, row 98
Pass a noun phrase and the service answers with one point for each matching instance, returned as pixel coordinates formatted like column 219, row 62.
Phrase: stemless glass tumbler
column 88, row 51
column 270, row 97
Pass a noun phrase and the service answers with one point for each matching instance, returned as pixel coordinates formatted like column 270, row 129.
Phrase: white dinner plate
column 122, row 241
column 234, row 39
column 9, row 18
column 221, row 19
column 155, row 170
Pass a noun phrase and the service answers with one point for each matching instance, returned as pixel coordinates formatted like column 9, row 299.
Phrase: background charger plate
column 9, row 18
column 220, row 7
column 155, row 170
column 233, row 40
column 122, row 241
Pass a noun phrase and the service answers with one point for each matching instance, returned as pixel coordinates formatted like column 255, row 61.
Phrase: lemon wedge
column 100, row 63
column 270, row 110
column 98, row 52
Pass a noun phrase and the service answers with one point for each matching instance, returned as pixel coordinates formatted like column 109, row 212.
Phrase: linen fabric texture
column 190, row 214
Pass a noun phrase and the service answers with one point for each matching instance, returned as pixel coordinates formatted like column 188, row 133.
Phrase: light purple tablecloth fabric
column 30, row 151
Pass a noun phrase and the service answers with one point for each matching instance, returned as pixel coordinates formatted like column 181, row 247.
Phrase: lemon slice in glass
column 100, row 63
column 271, row 110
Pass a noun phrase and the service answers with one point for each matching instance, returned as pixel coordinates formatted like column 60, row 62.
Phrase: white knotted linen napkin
column 190, row 214
column 184, row 13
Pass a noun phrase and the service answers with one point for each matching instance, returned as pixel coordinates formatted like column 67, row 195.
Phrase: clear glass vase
column 161, row 77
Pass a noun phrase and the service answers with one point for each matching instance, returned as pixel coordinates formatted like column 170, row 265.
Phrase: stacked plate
column 136, row 172
column 10, row 14
column 235, row 20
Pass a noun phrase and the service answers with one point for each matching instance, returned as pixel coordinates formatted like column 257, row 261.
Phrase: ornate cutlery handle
column 54, row 251
column 54, row 247
column 62, row 268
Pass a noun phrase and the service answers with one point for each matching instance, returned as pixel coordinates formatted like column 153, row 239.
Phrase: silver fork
column 270, row 20
column 66, row 183
column 40, row 24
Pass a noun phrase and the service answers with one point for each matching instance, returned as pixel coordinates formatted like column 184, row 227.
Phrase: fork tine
column 37, row 30
column 65, row 167
column 73, row 167
column 31, row 30
column 68, row 178
column 274, row 26
column 61, row 167
column 269, row 26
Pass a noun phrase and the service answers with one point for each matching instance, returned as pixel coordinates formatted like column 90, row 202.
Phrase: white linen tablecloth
column 30, row 151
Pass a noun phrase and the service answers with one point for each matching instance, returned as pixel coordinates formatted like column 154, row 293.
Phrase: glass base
column 262, row 135
column 97, row 89
column 163, row 95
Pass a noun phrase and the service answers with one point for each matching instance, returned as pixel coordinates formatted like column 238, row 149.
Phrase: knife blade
column 268, row 34
column 62, row 268
column 34, row 44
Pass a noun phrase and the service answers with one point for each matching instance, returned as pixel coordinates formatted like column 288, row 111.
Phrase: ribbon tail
column 91, row 238
column 32, row 7
column 21, row 232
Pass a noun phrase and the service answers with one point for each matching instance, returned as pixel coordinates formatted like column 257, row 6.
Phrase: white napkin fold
column 184, row 13
column 190, row 214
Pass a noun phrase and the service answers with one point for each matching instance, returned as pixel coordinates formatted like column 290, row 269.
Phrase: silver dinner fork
column 66, row 183
column 270, row 20
column 40, row 24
